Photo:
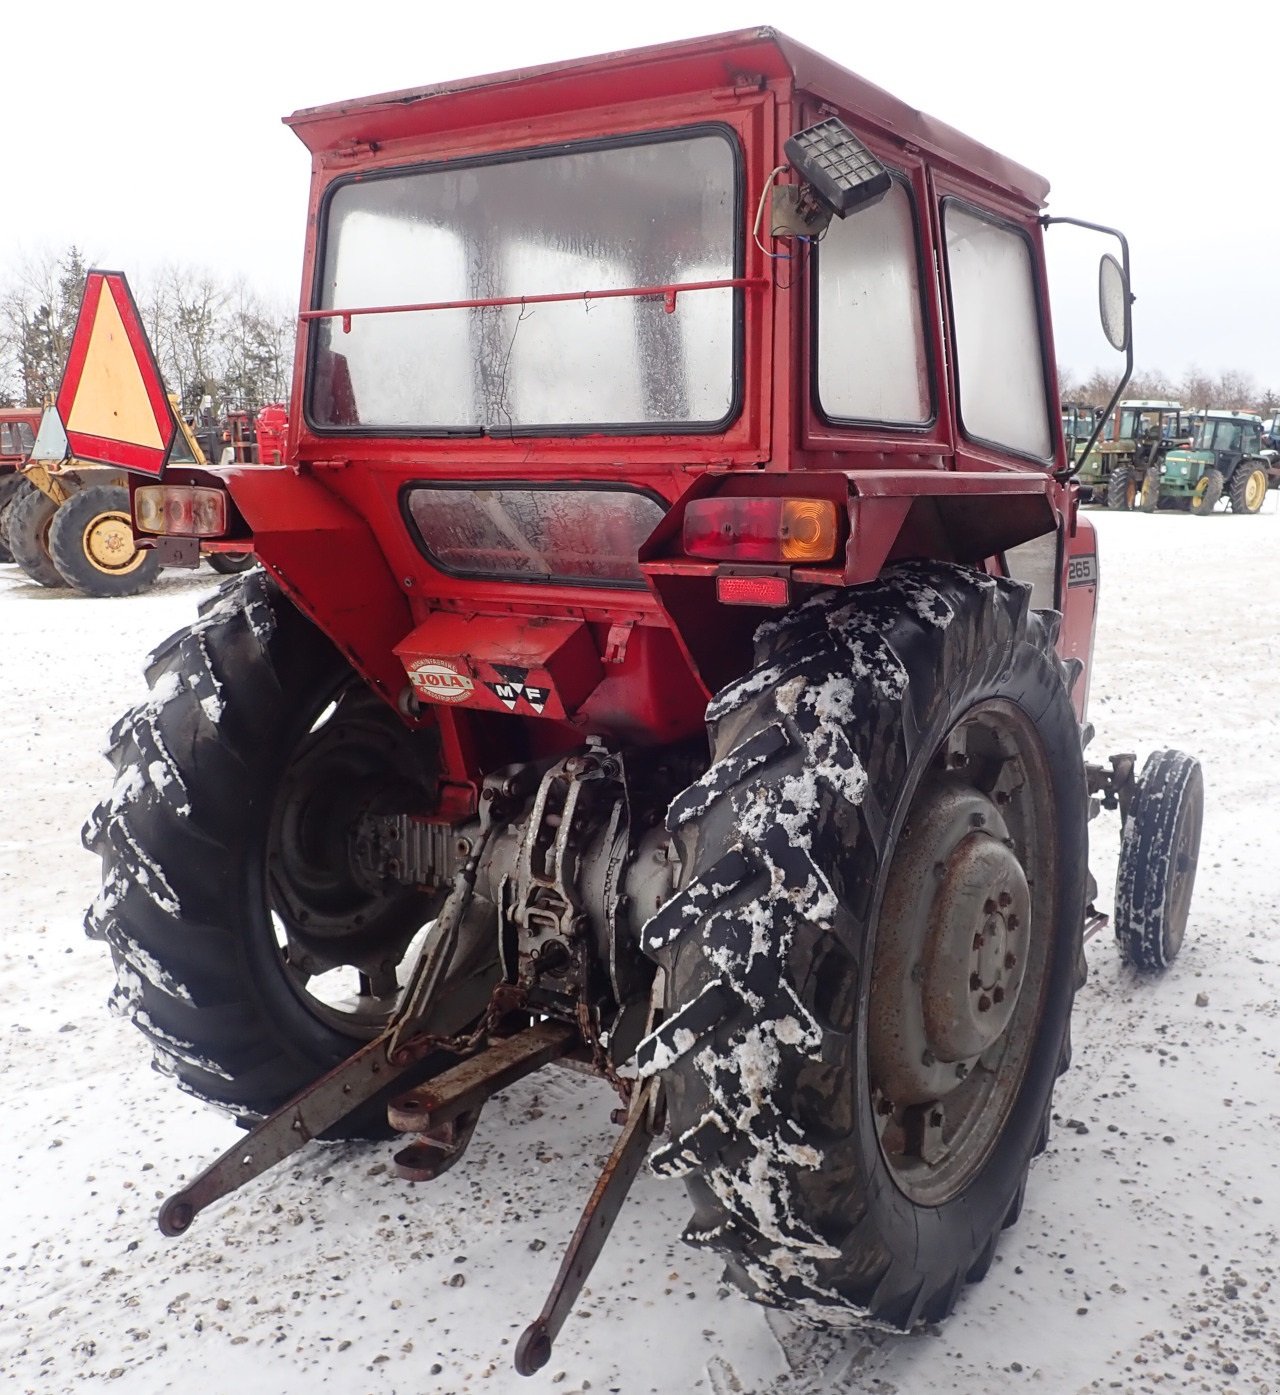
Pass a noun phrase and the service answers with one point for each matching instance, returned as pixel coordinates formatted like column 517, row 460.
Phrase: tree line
column 1194, row 388
column 213, row 337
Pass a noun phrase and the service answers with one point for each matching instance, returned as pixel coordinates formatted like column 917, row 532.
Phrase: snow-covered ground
column 1145, row 1260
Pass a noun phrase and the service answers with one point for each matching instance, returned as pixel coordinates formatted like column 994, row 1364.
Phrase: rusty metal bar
column 309, row 1113
column 533, row 1350
column 471, row 1082
column 668, row 292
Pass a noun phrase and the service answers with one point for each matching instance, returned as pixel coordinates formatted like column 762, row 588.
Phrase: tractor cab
column 1078, row 421
column 1224, row 456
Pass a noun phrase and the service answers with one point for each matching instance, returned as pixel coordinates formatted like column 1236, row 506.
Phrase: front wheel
column 1205, row 496
column 1149, row 494
column 1122, row 488
column 251, row 947
column 92, row 545
column 1158, row 855
column 871, row 961
column 10, row 486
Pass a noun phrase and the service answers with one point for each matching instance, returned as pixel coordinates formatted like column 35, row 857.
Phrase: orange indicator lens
column 761, row 530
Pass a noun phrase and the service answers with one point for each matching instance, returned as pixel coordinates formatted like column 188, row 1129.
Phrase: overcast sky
column 145, row 132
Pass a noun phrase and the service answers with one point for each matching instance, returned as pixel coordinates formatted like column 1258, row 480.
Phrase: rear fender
column 1079, row 592
column 328, row 562
column 890, row 515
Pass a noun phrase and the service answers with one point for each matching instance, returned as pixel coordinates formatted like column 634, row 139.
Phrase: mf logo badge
column 441, row 680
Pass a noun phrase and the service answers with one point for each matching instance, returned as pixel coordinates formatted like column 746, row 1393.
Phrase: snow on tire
column 859, row 1062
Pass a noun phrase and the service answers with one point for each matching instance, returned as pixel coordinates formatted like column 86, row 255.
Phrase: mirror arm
column 1072, row 469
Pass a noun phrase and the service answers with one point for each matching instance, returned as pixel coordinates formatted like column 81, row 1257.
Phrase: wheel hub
column 109, row 544
column 974, row 954
column 951, row 948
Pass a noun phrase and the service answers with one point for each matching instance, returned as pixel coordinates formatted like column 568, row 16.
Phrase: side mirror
column 1114, row 303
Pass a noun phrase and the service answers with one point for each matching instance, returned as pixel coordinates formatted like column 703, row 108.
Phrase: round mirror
column 1113, row 302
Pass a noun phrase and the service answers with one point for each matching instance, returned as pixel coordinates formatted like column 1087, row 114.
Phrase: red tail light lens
column 761, row 530
column 183, row 510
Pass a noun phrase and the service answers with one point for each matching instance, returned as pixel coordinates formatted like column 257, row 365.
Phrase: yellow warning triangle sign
column 112, row 398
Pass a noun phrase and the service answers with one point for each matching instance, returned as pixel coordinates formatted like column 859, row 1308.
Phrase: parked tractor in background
column 1225, row 457
column 18, row 426
column 1078, row 421
column 670, row 658
column 69, row 522
column 1134, row 441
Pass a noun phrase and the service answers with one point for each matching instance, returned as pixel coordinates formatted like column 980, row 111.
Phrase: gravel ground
column 1145, row 1259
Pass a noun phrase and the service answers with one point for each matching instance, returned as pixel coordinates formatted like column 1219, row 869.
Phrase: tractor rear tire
column 231, row 563
column 30, row 518
column 1122, row 489
column 1248, row 489
column 1158, row 855
column 1207, row 493
column 896, row 784
column 231, row 897
column 91, row 543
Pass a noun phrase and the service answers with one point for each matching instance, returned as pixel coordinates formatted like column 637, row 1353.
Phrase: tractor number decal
column 441, row 680
column 1083, row 570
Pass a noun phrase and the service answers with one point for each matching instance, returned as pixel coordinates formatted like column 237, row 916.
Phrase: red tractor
column 670, row 658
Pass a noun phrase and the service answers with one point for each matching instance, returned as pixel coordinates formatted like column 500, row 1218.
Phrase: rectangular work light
column 842, row 173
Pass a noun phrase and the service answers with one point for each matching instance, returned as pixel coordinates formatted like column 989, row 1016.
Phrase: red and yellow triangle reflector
column 112, row 399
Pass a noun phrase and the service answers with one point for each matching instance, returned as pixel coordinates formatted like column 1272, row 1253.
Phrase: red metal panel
column 528, row 666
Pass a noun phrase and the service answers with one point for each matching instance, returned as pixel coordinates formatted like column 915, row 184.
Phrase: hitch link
column 533, row 1350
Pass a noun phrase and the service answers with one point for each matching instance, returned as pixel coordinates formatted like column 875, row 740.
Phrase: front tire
column 1158, row 854
column 231, row 563
column 92, row 545
column 871, row 961
column 1122, row 489
column 31, row 516
column 1208, row 491
column 10, row 487
column 248, row 947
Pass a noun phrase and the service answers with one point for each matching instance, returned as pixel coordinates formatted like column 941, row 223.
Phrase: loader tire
column 1158, row 854
column 1122, row 488
column 10, row 488
column 1204, row 498
column 91, row 543
column 30, row 518
column 1248, row 489
column 901, row 763
column 229, row 880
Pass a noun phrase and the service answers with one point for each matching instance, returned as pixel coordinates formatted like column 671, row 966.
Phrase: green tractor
column 1225, row 456
column 1133, row 443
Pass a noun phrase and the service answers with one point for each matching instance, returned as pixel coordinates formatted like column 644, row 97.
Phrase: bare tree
column 38, row 311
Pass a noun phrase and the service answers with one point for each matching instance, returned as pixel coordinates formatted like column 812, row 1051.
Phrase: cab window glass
column 999, row 356
column 870, row 332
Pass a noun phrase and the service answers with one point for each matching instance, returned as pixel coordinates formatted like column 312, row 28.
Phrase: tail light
column 184, row 510
column 761, row 530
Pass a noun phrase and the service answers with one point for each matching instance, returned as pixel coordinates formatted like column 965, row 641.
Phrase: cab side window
column 999, row 355
column 872, row 364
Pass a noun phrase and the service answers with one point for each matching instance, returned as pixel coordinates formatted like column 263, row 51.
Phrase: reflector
column 753, row 590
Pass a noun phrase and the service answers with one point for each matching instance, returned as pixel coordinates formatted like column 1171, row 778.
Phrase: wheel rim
column 1199, row 494
column 1182, row 874
column 1255, row 490
column 341, row 936
column 108, row 544
column 962, row 953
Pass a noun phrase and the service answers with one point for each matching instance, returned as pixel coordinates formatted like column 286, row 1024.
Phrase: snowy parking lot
column 1146, row 1257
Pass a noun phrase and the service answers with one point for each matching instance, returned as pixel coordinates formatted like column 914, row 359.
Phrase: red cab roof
column 660, row 70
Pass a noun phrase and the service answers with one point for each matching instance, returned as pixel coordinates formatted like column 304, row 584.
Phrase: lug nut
column 1010, row 960
column 984, row 1003
column 974, row 983
column 1005, row 899
column 997, row 994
